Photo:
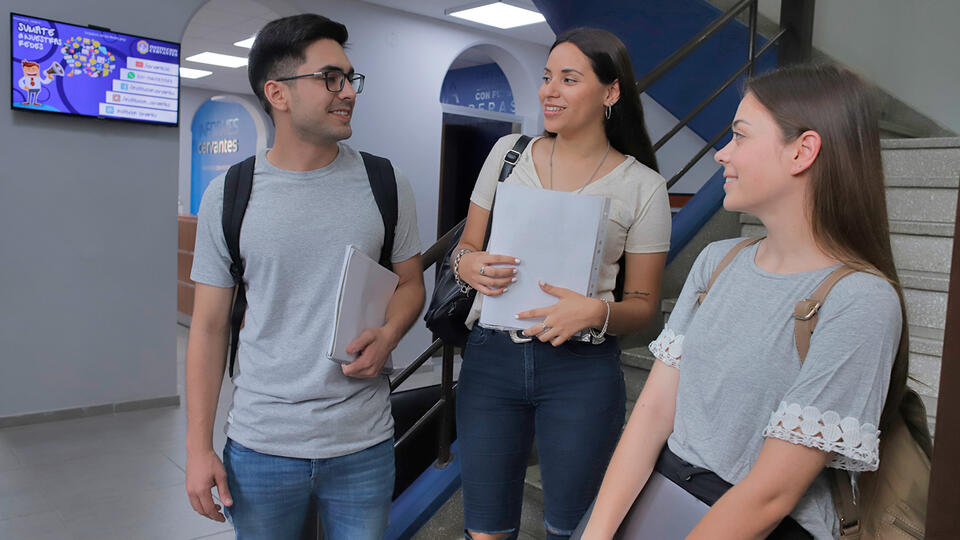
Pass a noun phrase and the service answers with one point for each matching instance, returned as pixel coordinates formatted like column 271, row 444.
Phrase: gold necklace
column 604, row 158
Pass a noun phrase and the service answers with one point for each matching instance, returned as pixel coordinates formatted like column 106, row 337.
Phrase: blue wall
column 652, row 30
column 482, row 87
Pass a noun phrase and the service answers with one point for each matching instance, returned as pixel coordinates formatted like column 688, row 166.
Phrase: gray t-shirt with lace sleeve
column 741, row 379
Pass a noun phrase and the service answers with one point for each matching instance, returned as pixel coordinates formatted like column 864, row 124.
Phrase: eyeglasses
column 334, row 80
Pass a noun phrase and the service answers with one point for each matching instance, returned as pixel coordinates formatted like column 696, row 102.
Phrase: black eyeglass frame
column 326, row 80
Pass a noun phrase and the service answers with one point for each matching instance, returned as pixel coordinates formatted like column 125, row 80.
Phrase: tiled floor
column 118, row 476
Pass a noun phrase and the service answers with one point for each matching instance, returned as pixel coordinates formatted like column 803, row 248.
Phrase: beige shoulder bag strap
column 724, row 262
column 805, row 312
column 804, row 321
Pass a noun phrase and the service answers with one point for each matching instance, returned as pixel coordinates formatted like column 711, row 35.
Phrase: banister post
column 796, row 16
column 447, row 414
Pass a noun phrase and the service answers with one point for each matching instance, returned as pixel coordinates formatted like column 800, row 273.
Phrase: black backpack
column 236, row 195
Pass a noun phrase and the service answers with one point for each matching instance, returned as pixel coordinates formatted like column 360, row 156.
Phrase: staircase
column 922, row 177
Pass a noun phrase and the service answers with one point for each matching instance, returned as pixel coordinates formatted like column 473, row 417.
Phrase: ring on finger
column 482, row 267
column 543, row 324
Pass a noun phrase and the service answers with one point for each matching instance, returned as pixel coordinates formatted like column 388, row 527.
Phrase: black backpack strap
column 510, row 160
column 383, row 183
column 236, row 194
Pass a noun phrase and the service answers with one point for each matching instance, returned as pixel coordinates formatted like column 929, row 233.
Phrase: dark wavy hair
column 280, row 48
column 626, row 129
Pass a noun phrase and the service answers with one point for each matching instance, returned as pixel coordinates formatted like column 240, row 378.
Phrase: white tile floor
column 117, row 476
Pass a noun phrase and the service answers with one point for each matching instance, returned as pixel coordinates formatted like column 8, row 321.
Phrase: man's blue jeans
column 271, row 494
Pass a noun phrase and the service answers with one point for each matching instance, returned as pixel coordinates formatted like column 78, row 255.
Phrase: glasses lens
column 334, row 80
column 356, row 81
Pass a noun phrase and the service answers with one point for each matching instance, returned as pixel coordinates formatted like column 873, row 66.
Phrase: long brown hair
column 847, row 206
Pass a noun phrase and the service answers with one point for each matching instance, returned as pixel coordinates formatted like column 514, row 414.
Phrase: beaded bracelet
column 598, row 337
column 464, row 286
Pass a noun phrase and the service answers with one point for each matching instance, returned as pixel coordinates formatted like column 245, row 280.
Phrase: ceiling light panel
column 498, row 15
column 190, row 73
column 217, row 59
column 246, row 43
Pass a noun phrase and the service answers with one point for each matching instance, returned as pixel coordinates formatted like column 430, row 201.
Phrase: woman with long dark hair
column 751, row 419
column 561, row 381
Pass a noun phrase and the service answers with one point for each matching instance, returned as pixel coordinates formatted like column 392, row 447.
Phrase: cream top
column 639, row 211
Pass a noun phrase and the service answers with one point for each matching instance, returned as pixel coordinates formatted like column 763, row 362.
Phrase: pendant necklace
column 604, row 158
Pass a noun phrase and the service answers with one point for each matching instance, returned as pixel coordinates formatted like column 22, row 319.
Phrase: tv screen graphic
column 79, row 70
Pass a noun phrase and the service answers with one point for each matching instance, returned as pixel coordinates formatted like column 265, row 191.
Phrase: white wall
column 907, row 47
column 87, row 236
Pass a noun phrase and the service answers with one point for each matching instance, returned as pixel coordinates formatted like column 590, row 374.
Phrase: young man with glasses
column 301, row 428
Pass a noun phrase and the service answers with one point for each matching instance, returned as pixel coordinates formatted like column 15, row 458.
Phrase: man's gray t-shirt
column 741, row 379
column 290, row 399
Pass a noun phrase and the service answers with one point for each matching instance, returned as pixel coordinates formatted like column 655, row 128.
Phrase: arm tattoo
column 641, row 293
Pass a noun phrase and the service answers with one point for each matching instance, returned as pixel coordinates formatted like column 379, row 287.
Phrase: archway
column 479, row 106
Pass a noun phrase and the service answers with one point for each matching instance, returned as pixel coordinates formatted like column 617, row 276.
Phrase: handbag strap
column 510, row 160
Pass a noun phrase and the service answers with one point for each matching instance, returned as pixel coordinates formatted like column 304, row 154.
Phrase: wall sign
column 223, row 134
column 483, row 87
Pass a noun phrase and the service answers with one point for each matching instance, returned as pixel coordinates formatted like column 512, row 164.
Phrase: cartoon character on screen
column 31, row 80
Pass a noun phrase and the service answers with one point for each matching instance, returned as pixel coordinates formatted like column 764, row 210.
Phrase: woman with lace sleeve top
column 729, row 395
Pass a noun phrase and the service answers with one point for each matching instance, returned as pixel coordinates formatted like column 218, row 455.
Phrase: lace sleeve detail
column 854, row 446
column 668, row 348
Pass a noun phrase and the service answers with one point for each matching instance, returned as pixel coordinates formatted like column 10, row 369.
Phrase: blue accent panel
column 417, row 504
column 224, row 133
column 482, row 87
column 652, row 30
column 696, row 213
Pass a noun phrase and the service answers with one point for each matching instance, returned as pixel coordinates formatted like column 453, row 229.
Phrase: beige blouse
column 639, row 211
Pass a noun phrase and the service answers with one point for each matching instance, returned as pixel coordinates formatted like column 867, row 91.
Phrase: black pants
column 708, row 487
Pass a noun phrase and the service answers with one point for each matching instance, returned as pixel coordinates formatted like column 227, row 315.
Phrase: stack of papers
column 558, row 238
column 365, row 290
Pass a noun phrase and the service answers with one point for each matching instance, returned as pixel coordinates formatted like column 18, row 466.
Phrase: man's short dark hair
column 281, row 45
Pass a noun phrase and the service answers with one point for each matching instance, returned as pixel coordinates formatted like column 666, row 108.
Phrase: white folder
column 365, row 290
column 558, row 238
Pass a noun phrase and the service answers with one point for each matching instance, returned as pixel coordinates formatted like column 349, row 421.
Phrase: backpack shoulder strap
column 510, row 160
column 725, row 262
column 383, row 183
column 805, row 312
column 236, row 194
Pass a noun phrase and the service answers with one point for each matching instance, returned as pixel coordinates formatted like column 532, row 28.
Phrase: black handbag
column 449, row 306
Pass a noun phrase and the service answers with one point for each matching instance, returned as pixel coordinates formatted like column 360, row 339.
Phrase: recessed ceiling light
column 498, row 14
column 246, row 43
column 190, row 73
column 217, row 59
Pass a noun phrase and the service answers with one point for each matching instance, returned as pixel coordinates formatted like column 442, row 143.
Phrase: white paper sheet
column 558, row 238
column 365, row 290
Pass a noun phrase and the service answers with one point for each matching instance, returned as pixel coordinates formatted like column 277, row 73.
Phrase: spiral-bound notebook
column 558, row 238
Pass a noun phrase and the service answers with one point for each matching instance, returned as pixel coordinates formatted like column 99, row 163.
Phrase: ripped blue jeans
column 571, row 398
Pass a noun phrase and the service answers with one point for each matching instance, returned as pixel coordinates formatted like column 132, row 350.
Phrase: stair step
column 928, row 281
column 923, row 253
column 922, row 204
column 667, row 304
column 922, row 228
column 925, row 340
column 926, row 308
column 941, row 182
column 929, row 157
column 634, row 378
column 637, row 357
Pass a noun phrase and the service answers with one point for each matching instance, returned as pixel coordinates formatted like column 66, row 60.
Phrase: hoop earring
column 606, row 113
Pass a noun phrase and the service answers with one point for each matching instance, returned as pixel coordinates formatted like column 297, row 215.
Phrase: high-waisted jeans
column 570, row 397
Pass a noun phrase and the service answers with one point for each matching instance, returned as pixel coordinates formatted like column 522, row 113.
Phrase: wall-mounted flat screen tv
column 90, row 71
